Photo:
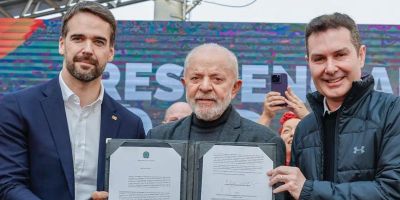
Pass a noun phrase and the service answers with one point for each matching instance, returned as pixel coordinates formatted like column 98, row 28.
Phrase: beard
column 207, row 113
column 81, row 75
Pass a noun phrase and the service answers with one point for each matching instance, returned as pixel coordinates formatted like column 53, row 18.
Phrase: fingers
column 295, row 104
column 273, row 93
column 290, row 104
column 284, row 170
column 291, row 95
column 99, row 195
column 281, row 188
column 291, row 177
column 277, row 179
column 279, row 174
column 273, row 99
column 272, row 103
column 277, row 105
column 282, row 174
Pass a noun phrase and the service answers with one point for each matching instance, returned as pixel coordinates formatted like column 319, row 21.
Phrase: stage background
column 144, row 75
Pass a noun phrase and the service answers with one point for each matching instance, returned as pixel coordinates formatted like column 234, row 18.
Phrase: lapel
column 182, row 130
column 231, row 130
column 110, row 122
column 53, row 107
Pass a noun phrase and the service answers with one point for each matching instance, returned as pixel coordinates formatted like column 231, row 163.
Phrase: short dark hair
column 334, row 21
column 93, row 8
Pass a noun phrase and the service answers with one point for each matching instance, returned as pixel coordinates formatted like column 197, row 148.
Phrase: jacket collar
column 231, row 130
column 110, row 122
column 53, row 107
column 229, row 133
column 357, row 91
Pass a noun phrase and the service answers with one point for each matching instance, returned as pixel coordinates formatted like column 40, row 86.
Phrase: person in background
column 176, row 112
column 348, row 148
column 52, row 136
column 296, row 110
column 273, row 103
column 288, row 122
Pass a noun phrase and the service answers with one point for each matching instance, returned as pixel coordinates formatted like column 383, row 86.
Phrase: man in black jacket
column 348, row 148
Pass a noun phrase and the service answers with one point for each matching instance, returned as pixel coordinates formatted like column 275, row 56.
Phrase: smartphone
column 279, row 83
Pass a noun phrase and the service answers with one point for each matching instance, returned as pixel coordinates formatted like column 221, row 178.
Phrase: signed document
column 184, row 170
column 145, row 173
column 235, row 173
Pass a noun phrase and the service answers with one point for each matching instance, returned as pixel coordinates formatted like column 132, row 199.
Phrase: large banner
column 148, row 64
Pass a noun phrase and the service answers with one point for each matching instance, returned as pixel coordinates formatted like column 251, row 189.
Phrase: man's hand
column 99, row 195
column 295, row 104
column 271, row 106
column 292, row 178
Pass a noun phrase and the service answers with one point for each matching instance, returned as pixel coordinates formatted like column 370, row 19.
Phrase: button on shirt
column 84, row 133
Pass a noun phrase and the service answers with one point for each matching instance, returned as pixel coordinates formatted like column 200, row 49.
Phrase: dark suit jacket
column 236, row 129
column 35, row 149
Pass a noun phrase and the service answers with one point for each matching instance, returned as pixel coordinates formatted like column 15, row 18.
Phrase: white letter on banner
column 248, row 114
column 176, row 88
column 382, row 82
column 132, row 81
column 300, row 86
column 110, row 84
column 249, row 82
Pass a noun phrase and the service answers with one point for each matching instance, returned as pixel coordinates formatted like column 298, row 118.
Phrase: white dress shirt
column 84, row 134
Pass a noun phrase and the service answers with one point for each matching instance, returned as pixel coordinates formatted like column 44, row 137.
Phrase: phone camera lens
column 276, row 78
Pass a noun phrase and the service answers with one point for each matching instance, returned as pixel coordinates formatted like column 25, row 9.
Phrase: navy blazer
column 35, row 148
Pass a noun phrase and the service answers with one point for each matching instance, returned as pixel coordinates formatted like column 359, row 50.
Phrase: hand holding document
column 145, row 173
column 235, row 172
column 180, row 170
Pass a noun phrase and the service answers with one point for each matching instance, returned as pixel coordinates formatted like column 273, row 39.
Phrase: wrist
column 265, row 120
column 303, row 114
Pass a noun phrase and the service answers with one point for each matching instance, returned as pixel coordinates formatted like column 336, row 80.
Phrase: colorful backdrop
column 144, row 75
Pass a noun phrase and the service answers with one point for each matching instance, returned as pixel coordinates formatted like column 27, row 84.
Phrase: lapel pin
column 114, row 117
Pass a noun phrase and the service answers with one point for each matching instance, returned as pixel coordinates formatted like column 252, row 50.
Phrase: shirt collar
column 67, row 93
column 326, row 108
column 101, row 95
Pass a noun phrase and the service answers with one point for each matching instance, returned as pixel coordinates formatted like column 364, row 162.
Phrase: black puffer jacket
column 367, row 147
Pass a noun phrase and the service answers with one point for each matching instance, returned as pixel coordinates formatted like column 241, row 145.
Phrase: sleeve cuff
column 306, row 190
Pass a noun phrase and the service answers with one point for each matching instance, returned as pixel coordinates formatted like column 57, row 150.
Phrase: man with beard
column 211, row 83
column 52, row 136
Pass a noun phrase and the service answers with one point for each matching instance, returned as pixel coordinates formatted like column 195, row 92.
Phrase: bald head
column 211, row 80
column 177, row 111
column 211, row 51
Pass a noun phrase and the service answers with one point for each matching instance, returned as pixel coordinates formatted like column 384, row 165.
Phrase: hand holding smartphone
column 279, row 83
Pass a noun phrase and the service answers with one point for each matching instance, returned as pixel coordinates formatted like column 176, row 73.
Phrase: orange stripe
column 14, row 32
